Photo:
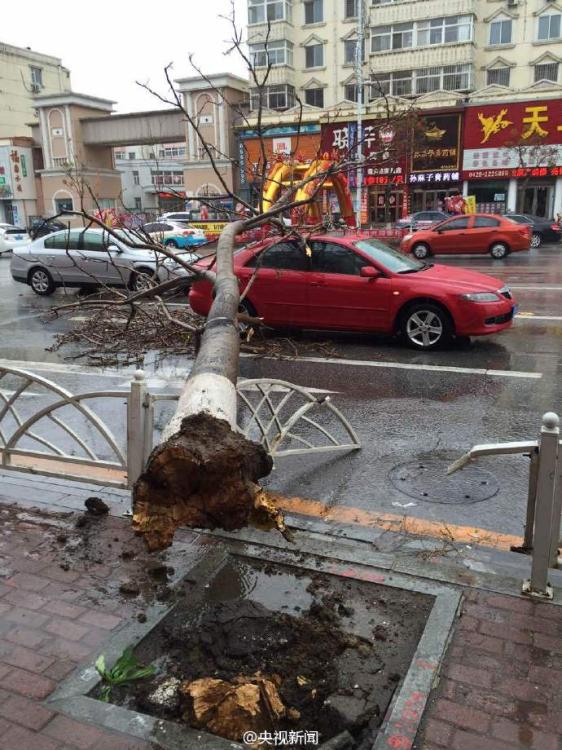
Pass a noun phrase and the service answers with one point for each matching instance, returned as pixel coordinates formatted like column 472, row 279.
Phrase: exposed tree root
column 205, row 476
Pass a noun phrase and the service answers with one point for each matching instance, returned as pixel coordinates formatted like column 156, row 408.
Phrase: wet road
column 406, row 406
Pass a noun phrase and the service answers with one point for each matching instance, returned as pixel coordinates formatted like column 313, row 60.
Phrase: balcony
column 424, row 57
column 399, row 12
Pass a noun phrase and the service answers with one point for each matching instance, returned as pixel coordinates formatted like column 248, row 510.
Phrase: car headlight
column 407, row 236
column 481, row 297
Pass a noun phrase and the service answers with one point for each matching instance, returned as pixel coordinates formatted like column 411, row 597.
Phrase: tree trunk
column 204, row 474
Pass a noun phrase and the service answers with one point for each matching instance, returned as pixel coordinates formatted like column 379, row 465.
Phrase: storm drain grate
column 427, row 481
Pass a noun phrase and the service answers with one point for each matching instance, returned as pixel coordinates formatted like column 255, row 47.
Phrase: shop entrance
column 385, row 206
column 430, row 200
column 536, row 200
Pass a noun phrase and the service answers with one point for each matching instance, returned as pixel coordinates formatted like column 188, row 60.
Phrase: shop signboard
column 384, row 149
column 470, row 203
column 517, row 139
column 437, row 147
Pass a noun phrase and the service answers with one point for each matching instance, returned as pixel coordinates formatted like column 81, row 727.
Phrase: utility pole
column 359, row 80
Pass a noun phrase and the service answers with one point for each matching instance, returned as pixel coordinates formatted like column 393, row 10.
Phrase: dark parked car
column 543, row 230
column 41, row 227
column 421, row 220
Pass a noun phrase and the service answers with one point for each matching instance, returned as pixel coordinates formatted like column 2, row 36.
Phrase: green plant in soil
column 125, row 670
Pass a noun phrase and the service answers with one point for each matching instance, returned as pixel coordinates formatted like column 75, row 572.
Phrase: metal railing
column 544, row 499
column 46, row 429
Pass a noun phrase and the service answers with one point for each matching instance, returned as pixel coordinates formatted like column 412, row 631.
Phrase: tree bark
column 204, row 474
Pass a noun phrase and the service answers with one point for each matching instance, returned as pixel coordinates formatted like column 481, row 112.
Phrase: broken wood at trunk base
column 204, row 474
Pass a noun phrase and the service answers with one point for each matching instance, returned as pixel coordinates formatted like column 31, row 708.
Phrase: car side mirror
column 368, row 272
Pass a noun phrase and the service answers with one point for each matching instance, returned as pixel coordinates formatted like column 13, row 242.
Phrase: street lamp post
column 359, row 80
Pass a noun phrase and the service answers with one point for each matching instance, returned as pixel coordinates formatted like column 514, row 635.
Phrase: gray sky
column 118, row 42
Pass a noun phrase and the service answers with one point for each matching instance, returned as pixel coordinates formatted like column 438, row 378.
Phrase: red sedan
column 357, row 284
column 473, row 233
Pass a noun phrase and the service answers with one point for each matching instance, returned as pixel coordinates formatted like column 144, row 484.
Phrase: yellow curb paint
column 404, row 524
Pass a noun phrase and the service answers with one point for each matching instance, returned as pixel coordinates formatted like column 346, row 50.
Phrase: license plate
column 18, row 237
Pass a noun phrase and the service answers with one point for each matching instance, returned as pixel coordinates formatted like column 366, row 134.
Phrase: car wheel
column 171, row 243
column 41, row 282
column 246, row 308
column 426, row 326
column 536, row 240
column 499, row 250
column 420, row 251
column 141, row 280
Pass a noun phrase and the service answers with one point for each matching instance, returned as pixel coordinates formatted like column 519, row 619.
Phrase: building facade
column 412, row 47
column 25, row 75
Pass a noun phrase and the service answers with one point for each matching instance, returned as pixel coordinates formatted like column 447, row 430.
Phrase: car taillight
column 556, row 227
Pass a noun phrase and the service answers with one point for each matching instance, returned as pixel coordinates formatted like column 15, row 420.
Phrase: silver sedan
column 92, row 257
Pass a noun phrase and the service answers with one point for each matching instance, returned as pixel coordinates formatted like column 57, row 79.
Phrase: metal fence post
column 556, row 510
column 135, row 428
column 531, row 502
column 546, row 484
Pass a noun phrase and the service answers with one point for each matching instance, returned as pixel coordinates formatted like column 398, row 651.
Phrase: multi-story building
column 24, row 75
column 412, row 47
column 152, row 176
column 450, row 61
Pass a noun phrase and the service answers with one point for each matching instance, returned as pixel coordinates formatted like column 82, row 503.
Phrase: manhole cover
column 427, row 480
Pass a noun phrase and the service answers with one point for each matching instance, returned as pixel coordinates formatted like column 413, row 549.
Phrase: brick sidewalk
column 53, row 616
column 501, row 684
column 500, row 687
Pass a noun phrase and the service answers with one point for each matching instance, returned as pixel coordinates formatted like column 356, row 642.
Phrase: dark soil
column 339, row 658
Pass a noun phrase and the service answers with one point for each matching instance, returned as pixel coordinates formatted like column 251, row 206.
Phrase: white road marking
column 532, row 316
column 409, row 366
column 536, row 288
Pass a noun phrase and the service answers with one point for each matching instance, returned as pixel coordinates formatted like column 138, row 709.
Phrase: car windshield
column 517, row 219
column 392, row 260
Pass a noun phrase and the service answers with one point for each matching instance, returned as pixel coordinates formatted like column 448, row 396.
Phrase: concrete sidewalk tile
column 523, row 734
column 462, row 716
column 26, row 617
column 28, row 581
column 19, row 738
column 28, row 684
column 100, row 619
column 25, row 658
column 468, row 741
column 27, row 599
column 25, row 712
column 63, row 609
column 66, row 629
column 81, row 735
column 439, row 733
column 469, row 675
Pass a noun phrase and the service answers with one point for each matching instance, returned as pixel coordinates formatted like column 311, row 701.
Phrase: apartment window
column 136, row 177
column 444, row 30
column 314, row 56
column 167, row 178
column 138, row 204
column 456, row 77
column 351, row 8
column 500, row 31
column 36, row 76
column 407, row 82
column 273, row 97
column 132, row 154
column 120, row 155
column 351, row 92
column 428, row 79
column 274, row 53
column 549, row 26
column 171, row 152
column 314, row 97
column 397, row 36
column 402, row 83
column 349, row 47
column 546, row 72
column 261, row 11
column 313, row 11
column 499, row 76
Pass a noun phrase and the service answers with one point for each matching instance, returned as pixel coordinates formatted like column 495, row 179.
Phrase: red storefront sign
column 500, row 140
column 384, row 147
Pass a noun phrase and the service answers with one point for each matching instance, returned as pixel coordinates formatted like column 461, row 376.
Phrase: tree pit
column 320, row 654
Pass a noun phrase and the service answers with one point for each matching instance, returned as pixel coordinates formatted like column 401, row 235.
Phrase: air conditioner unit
column 512, row 3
